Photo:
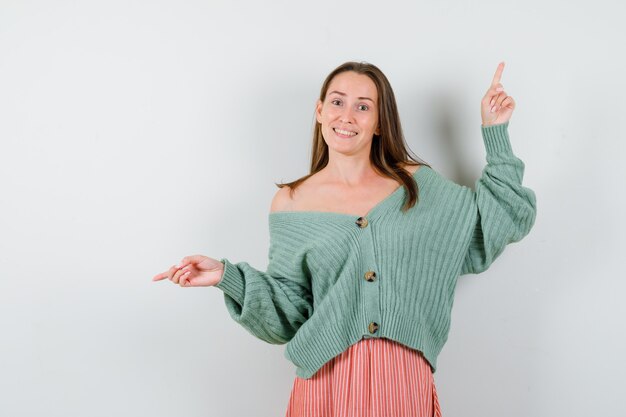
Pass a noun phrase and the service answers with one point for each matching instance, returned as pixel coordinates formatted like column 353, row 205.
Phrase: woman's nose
column 346, row 115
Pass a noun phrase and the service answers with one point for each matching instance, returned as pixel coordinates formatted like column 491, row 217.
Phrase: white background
column 133, row 133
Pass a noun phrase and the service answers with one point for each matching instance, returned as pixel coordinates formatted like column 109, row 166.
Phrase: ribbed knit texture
column 314, row 295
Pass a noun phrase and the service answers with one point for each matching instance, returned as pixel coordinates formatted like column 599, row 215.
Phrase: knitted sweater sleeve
column 506, row 210
column 271, row 305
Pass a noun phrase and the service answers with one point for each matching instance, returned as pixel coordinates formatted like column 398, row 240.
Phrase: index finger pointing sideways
column 498, row 75
column 165, row 274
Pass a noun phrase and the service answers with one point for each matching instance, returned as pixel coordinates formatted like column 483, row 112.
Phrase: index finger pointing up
column 498, row 74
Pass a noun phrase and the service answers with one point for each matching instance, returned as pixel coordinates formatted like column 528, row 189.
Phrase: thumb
column 192, row 259
column 201, row 262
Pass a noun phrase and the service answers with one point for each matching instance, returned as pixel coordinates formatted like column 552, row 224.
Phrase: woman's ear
column 318, row 111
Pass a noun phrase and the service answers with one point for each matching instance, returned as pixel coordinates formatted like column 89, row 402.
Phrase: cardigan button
column 373, row 327
column 361, row 222
column 370, row 276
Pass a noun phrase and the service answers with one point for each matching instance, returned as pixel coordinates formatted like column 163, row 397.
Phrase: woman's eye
column 336, row 102
column 363, row 107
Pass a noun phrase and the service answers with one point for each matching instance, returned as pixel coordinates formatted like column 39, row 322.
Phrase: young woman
column 365, row 252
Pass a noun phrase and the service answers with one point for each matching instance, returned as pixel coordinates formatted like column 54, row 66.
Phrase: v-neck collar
column 372, row 213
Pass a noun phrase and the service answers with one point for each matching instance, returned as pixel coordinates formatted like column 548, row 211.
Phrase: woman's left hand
column 496, row 106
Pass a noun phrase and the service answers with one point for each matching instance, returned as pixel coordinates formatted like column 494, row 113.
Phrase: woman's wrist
column 493, row 124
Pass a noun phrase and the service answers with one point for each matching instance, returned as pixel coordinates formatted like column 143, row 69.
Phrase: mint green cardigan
column 331, row 282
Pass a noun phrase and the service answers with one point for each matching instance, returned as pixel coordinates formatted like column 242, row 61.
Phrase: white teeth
column 345, row 132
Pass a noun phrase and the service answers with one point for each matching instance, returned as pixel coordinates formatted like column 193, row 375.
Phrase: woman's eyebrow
column 344, row 94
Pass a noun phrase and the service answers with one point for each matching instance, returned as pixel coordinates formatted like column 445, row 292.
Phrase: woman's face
column 349, row 113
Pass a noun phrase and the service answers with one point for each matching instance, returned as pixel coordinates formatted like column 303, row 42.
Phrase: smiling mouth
column 344, row 133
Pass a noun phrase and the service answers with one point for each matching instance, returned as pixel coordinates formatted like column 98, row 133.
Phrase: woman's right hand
column 194, row 271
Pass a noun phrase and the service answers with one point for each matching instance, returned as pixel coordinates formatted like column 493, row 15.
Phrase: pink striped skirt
column 376, row 377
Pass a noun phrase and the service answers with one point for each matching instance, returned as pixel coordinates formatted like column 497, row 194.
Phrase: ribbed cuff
column 496, row 138
column 232, row 282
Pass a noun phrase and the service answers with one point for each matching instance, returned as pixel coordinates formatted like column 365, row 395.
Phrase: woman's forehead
column 353, row 84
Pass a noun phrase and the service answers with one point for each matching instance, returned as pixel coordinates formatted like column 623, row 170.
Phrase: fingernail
column 499, row 89
column 492, row 109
